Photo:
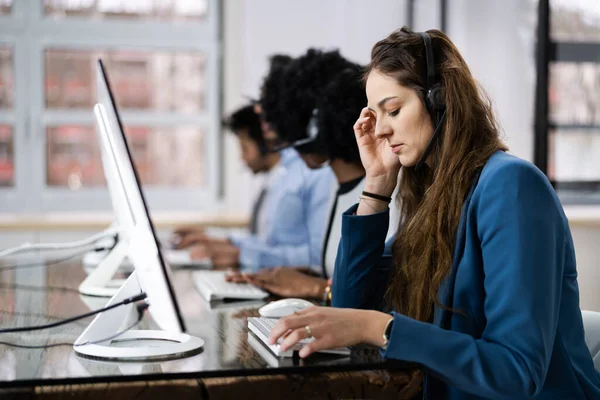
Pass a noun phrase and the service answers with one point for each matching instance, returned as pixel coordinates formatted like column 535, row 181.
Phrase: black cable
column 128, row 300
column 52, row 262
column 140, row 309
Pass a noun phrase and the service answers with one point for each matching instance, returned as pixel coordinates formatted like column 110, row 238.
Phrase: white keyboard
column 213, row 286
column 182, row 258
column 261, row 327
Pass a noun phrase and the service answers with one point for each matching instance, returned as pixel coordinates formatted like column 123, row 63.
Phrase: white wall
column 496, row 39
column 293, row 26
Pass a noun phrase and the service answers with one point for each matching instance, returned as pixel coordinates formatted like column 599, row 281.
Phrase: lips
column 396, row 147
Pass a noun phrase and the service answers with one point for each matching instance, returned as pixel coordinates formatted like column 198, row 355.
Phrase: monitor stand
column 99, row 282
column 134, row 345
column 92, row 259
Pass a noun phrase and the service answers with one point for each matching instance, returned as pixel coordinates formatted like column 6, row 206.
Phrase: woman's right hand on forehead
column 380, row 163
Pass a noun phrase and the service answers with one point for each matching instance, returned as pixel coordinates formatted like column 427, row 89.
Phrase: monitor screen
column 129, row 203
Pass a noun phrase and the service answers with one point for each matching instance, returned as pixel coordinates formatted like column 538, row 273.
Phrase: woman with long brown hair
column 480, row 278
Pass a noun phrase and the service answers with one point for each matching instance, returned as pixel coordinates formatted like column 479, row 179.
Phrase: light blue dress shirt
column 296, row 211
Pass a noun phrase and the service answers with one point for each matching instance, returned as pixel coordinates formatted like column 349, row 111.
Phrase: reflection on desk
column 40, row 295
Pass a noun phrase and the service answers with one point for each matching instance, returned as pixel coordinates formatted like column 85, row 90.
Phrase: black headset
column 262, row 148
column 434, row 97
column 312, row 130
column 312, row 133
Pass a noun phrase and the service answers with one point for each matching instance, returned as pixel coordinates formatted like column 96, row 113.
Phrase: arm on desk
column 255, row 254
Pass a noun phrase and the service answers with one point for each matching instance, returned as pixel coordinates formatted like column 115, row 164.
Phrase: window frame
column 14, row 196
column 33, row 33
column 551, row 51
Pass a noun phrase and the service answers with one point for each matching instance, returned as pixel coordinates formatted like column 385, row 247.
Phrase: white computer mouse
column 283, row 307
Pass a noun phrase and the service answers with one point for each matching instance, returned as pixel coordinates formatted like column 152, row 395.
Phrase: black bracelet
column 377, row 197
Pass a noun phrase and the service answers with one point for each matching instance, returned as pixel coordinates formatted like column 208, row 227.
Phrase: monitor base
column 134, row 345
column 143, row 345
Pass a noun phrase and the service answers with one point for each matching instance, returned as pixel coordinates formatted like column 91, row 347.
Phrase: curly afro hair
column 322, row 80
column 272, row 81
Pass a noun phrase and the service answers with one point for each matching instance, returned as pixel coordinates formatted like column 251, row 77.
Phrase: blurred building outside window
column 7, row 167
column 5, row 6
column 169, row 82
column 161, row 57
column 167, row 10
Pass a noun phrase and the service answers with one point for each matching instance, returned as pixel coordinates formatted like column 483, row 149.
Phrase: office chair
column 591, row 326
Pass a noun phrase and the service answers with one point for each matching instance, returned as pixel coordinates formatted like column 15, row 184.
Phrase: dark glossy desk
column 230, row 364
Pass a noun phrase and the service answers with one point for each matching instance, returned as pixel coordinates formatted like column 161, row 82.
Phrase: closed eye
column 394, row 113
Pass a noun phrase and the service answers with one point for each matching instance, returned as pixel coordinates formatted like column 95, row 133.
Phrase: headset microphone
column 437, row 130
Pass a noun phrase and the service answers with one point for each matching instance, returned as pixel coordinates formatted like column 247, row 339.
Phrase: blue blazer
column 514, row 278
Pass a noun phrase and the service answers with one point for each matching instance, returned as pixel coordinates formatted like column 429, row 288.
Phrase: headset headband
column 429, row 60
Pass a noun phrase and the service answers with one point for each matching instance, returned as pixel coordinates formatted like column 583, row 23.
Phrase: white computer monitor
column 99, row 281
column 151, row 274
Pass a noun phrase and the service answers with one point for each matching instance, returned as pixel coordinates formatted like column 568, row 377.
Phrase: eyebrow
column 382, row 102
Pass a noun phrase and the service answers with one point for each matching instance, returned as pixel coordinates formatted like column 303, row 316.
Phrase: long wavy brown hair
column 431, row 198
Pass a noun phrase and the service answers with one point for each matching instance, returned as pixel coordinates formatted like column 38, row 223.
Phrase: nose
column 382, row 130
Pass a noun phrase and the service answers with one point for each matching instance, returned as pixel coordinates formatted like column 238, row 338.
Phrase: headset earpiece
column 312, row 130
column 435, row 99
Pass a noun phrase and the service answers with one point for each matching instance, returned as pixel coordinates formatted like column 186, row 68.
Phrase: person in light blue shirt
column 290, row 213
column 296, row 205
column 295, row 208
column 479, row 285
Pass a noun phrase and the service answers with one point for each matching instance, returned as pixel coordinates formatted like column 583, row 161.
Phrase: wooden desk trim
column 98, row 221
column 349, row 385
column 233, row 373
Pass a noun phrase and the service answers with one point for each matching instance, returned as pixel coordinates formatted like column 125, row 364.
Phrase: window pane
column 5, row 6
column 7, row 168
column 163, row 10
column 72, row 157
column 575, row 93
column 574, row 155
column 6, row 78
column 575, row 20
column 163, row 156
column 147, row 81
